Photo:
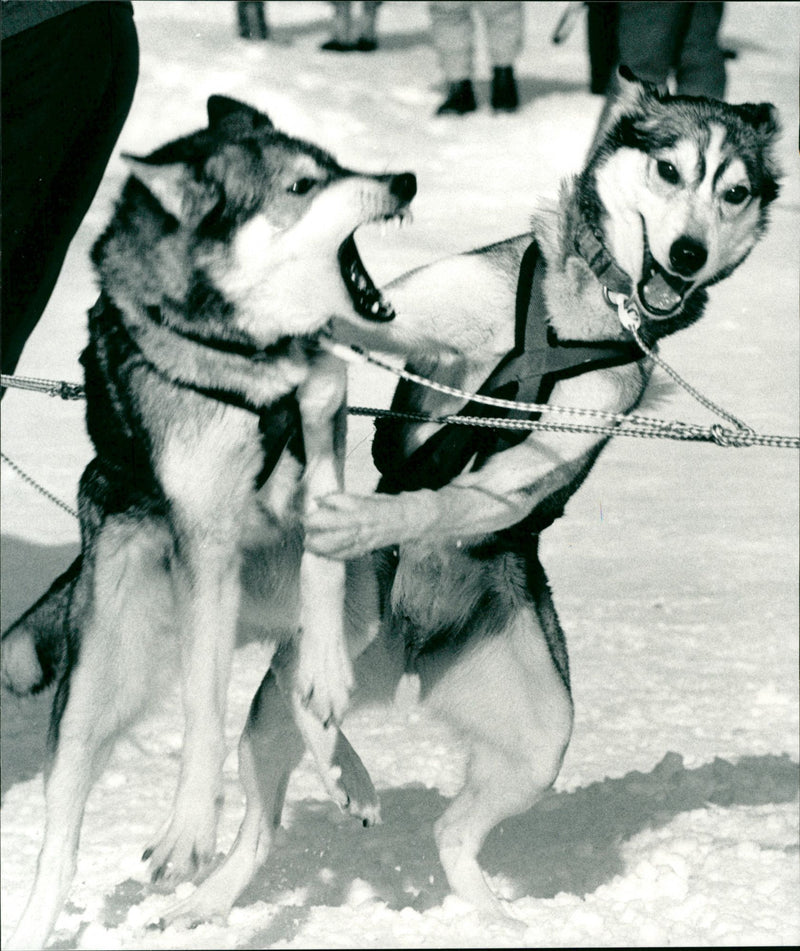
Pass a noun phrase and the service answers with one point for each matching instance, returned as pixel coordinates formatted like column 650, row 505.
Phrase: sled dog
column 216, row 423
column 671, row 200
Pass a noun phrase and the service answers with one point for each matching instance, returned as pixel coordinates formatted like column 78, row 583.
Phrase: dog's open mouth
column 660, row 293
column 367, row 299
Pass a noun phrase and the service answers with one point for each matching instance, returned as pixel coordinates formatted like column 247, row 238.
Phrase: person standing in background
column 672, row 45
column 679, row 40
column 453, row 34
column 69, row 71
column 601, row 35
column 251, row 19
column 353, row 34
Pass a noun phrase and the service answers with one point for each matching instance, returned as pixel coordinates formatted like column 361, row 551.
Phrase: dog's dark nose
column 404, row 186
column 687, row 256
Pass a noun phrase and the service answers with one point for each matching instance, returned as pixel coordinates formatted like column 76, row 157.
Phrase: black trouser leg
column 67, row 87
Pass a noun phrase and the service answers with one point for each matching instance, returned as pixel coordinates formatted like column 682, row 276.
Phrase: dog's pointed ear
column 165, row 181
column 170, row 175
column 632, row 92
column 234, row 118
column 628, row 100
column 763, row 116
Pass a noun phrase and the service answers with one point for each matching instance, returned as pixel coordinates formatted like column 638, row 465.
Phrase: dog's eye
column 302, row 186
column 736, row 195
column 668, row 172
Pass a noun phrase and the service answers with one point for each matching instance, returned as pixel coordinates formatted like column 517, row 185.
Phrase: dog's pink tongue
column 658, row 295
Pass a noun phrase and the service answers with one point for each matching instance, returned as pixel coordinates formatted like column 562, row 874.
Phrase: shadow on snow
column 569, row 842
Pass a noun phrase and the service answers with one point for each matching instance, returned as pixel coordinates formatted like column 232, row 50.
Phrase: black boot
column 340, row 42
column 337, row 46
column 504, row 89
column 460, row 99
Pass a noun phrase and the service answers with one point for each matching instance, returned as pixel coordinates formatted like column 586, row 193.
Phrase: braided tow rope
column 614, row 424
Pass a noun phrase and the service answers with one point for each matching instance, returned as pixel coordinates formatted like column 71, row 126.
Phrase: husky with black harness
column 216, row 422
column 671, row 201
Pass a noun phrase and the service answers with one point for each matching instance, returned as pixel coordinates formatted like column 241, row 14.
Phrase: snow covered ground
column 675, row 817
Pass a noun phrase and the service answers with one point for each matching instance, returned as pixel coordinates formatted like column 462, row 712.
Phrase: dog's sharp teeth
column 375, row 307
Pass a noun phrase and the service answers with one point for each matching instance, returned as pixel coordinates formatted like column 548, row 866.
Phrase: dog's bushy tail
column 34, row 648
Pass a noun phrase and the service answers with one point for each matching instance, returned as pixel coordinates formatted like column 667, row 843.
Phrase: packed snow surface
column 674, row 820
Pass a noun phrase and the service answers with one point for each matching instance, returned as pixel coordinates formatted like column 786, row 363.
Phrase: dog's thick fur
column 672, row 200
column 216, row 423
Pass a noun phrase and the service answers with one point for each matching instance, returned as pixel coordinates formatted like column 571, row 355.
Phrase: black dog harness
column 528, row 374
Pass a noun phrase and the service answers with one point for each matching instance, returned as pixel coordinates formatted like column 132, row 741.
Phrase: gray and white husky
column 672, row 200
column 216, row 423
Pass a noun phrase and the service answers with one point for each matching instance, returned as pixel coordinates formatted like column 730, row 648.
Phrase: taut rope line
column 36, row 485
column 624, row 424
column 615, row 424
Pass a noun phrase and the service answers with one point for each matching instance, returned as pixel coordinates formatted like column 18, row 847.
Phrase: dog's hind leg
column 279, row 728
column 121, row 594
column 504, row 694
column 207, row 473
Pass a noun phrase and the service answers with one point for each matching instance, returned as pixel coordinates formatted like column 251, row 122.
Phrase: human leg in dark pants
column 700, row 70
column 656, row 38
column 67, row 87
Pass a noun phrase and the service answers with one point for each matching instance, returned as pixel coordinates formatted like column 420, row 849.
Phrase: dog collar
column 628, row 309
column 590, row 247
column 278, row 423
column 237, row 348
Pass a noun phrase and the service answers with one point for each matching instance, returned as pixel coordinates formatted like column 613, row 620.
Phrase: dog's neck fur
column 181, row 328
column 576, row 305
column 252, row 384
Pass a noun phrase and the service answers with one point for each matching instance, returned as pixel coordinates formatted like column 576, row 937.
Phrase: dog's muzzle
column 661, row 292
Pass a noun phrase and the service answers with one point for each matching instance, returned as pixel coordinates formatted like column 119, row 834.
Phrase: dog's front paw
column 182, row 850
column 323, row 674
column 324, row 677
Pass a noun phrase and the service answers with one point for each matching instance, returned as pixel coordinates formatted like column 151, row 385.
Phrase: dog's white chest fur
column 211, row 463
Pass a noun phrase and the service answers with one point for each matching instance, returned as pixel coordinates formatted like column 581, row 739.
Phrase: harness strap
column 278, row 423
column 238, row 348
column 528, row 373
